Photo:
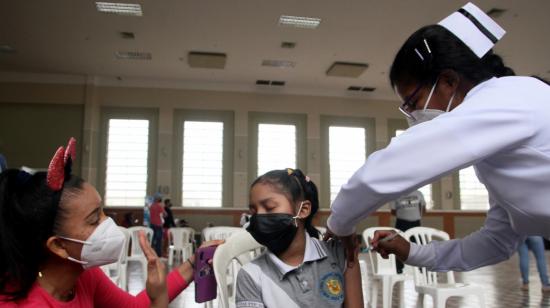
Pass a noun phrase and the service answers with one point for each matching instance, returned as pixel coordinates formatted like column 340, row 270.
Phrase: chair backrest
column 423, row 236
column 124, row 255
column 192, row 233
column 238, row 248
column 219, row 233
column 379, row 265
column 179, row 237
column 134, row 239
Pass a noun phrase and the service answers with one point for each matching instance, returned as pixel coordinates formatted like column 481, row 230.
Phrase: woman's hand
column 398, row 245
column 186, row 270
column 156, row 275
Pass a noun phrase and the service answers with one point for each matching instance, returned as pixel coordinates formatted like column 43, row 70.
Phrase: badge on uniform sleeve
column 332, row 287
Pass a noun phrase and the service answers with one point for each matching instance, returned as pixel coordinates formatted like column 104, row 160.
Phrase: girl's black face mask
column 274, row 230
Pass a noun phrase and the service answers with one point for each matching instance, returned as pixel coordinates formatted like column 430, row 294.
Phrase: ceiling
column 69, row 37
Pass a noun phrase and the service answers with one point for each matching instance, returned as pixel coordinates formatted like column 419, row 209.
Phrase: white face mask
column 102, row 247
column 424, row 115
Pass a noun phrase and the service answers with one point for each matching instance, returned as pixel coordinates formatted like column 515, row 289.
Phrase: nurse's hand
column 398, row 245
column 350, row 243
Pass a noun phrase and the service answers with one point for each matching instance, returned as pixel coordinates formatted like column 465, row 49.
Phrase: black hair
column 432, row 49
column 295, row 185
column 166, row 201
column 30, row 212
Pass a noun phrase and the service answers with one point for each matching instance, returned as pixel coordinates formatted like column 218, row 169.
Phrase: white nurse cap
column 474, row 28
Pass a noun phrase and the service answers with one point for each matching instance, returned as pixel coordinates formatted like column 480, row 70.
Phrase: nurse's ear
column 55, row 245
column 449, row 82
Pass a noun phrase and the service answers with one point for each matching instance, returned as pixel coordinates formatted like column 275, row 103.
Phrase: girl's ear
column 305, row 211
column 55, row 245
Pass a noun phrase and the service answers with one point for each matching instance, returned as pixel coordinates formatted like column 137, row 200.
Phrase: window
column 202, row 175
column 126, row 162
column 347, row 152
column 425, row 190
column 276, row 147
column 473, row 194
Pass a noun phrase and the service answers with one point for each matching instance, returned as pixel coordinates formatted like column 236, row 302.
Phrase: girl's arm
column 353, row 285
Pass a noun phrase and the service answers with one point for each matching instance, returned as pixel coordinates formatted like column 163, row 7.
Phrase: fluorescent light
column 278, row 63
column 133, row 55
column 127, row 9
column 299, row 22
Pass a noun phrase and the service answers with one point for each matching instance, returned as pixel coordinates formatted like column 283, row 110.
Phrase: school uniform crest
column 332, row 287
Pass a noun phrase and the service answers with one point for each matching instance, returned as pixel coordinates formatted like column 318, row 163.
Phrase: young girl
column 298, row 270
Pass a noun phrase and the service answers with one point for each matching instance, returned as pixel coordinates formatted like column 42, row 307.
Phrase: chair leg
column 401, row 286
column 386, row 293
column 439, row 301
column 170, row 257
column 374, row 295
column 420, row 300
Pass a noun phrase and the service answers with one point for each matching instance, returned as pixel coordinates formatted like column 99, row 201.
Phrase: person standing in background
column 168, row 223
column 536, row 244
column 157, row 219
column 408, row 211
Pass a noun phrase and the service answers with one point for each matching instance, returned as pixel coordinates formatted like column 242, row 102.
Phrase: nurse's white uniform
column 503, row 128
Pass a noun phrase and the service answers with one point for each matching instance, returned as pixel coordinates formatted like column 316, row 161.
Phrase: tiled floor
column 500, row 282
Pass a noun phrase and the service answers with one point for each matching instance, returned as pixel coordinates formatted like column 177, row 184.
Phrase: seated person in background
column 298, row 270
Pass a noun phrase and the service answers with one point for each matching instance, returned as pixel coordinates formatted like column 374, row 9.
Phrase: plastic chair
column 237, row 250
column 219, row 233
column 136, row 254
column 426, row 282
column 322, row 231
column 180, row 244
column 117, row 272
column 384, row 272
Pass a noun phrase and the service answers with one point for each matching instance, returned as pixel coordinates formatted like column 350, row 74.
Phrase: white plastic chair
column 136, row 254
column 117, row 272
column 322, row 231
column 384, row 272
column 426, row 282
column 237, row 250
column 219, row 233
column 180, row 244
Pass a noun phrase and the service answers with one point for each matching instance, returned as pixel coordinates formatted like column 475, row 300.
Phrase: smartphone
column 206, row 288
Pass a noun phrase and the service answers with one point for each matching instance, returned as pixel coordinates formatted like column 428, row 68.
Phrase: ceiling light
column 346, row 69
column 278, row 63
column 127, row 35
column 299, row 22
column 126, row 9
column 213, row 60
column 262, row 82
column 288, row 45
column 133, row 55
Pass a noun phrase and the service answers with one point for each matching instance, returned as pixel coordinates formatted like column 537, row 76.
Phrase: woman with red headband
column 54, row 236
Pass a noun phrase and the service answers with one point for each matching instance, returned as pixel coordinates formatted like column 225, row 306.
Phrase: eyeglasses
column 408, row 104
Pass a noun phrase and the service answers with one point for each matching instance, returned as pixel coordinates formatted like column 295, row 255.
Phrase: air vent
column 362, row 89
column 496, row 12
column 127, row 35
column 368, row 89
column 299, row 22
column 125, row 9
column 346, row 69
column 7, row 49
column 212, row 60
column 288, row 45
column 272, row 83
column 133, row 55
column 279, row 63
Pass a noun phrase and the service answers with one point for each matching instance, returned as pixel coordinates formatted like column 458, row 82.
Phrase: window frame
column 296, row 119
column 225, row 116
column 326, row 122
column 151, row 114
column 458, row 193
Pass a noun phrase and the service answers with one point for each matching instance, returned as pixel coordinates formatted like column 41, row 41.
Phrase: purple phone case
column 206, row 288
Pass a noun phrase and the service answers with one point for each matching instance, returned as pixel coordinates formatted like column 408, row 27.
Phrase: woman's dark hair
column 432, row 49
column 295, row 185
column 30, row 213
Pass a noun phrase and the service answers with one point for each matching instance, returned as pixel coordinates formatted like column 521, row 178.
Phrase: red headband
column 60, row 165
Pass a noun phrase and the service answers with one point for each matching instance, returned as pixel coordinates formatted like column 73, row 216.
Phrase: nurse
column 464, row 108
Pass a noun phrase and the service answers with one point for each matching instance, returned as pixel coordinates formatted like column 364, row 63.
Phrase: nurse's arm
column 353, row 287
column 496, row 241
